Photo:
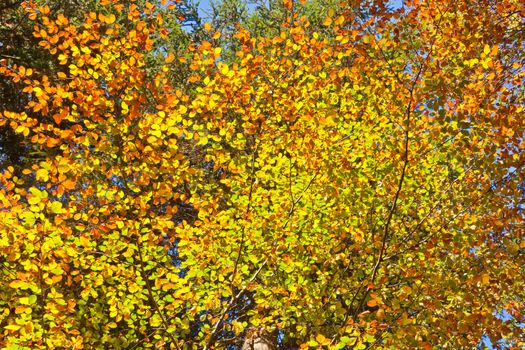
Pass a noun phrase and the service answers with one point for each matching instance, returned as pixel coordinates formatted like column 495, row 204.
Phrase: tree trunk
column 260, row 340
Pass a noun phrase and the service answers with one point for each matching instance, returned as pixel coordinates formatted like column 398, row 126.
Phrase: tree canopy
column 316, row 175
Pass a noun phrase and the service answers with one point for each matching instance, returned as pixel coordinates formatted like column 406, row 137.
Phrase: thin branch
column 290, row 178
column 296, row 201
column 231, row 303
column 427, row 215
column 392, row 210
column 433, row 233
column 243, row 227
column 10, row 56
column 399, row 185
column 235, row 298
column 151, row 297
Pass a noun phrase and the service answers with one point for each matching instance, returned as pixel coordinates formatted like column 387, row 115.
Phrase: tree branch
column 151, row 297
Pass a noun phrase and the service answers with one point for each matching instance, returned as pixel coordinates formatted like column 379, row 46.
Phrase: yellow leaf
column 134, row 288
column 321, row 339
column 37, row 195
column 157, row 133
column 110, row 19
column 151, row 139
column 38, row 91
column 155, row 321
column 29, row 217
column 63, row 166
column 55, row 207
column 327, row 21
column 203, row 140
column 12, row 327
column 223, row 68
column 16, row 284
column 85, row 242
column 128, row 253
column 22, row 129
column 207, row 27
column 486, row 49
column 24, row 301
column 42, row 175
column 125, row 107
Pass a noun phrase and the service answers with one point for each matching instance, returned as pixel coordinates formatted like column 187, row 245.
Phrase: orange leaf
column 69, row 184
column 170, row 57
column 327, row 21
column 84, row 242
column 321, row 339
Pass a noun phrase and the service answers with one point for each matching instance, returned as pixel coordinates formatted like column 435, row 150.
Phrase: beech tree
column 359, row 186
column 19, row 46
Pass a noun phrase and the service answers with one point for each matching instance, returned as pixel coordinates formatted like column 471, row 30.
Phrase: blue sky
column 204, row 6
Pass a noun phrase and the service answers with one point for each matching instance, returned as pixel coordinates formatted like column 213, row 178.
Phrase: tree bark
column 260, row 340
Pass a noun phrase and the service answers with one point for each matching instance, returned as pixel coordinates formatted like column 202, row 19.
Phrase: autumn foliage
column 354, row 185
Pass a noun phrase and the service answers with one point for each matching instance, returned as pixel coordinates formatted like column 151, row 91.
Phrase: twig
column 231, row 303
column 151, row 297
column 392, row 210
column 10, row 56
column 296, row 201
column 243, row 227
column 235, row 298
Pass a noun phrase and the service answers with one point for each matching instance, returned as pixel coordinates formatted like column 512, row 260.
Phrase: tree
column 356, row 187
column 20, row 47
